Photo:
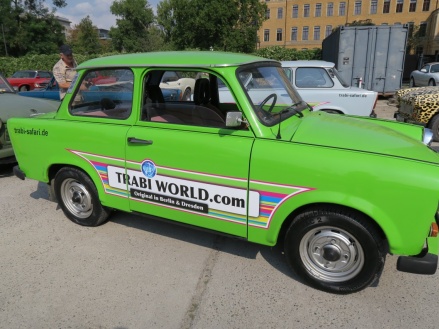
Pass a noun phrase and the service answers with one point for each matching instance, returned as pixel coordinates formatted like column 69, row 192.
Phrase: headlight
column 427, row 137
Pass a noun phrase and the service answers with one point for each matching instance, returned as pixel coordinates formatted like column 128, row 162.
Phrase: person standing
column 64, row 70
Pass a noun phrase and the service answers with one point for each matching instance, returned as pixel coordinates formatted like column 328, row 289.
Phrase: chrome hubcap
column 331, row 254
column 76, row 198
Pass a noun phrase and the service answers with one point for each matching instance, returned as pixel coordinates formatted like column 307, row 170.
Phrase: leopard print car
column 419, row 106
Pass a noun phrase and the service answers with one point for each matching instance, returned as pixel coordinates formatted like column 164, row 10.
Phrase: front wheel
column 431, row 82
column 412, row 82
column 78, row 198
column 23, row 88
column 334, row 250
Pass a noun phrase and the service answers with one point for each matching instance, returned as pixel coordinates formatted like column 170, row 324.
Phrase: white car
column 321, row 86
column 428, row 75
column 174, row 80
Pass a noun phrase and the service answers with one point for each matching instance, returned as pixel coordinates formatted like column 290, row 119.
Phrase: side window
column 313, row 77
column 289, row 73
column 109, row 96
column 434, row 68
column 426, row 68
column 185, row 98
column 45, row 75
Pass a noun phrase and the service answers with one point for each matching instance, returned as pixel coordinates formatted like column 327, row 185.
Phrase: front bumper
column 424, row 263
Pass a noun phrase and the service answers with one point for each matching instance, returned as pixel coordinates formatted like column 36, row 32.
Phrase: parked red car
column 30, row 79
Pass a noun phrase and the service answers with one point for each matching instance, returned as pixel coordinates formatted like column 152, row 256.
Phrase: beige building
column 303, row 24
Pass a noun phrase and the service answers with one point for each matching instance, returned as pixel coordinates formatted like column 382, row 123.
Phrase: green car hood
column 364, row 134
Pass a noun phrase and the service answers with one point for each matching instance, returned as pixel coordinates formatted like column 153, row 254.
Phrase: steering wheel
column 274, row 96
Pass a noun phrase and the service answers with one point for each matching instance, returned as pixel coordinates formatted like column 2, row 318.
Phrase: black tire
column 431, row 82
column 23, row 88
column 331, row 111
column 78, row 198
column 412, row 82
column 186, row 95
column 434, row 126
column 334, row 250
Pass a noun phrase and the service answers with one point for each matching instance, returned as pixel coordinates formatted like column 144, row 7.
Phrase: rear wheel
column 431, row 82
column 78, row 198
column 412, row 82
column 331, row 111
column 334, row 250
column 186, row 95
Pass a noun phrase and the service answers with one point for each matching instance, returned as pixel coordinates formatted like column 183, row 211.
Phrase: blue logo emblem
column 149, row 169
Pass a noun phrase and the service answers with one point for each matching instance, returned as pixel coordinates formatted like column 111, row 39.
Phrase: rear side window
column 313, row 77
column 106, row 93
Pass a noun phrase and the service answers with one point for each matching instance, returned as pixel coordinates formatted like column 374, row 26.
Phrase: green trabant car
column 337, row 192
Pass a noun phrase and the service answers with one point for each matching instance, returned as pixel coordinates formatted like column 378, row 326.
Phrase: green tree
column 133, row 27
column 229, row 25
column 84, row 37
column 28, row 27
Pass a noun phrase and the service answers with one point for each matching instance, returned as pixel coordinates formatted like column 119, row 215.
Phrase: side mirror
column 233, row 119
column 424, row 70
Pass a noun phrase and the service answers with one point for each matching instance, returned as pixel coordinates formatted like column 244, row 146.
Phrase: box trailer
column 371, row 57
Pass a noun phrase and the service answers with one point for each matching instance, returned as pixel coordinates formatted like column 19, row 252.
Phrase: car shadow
column 6, row 170
column 194, row 235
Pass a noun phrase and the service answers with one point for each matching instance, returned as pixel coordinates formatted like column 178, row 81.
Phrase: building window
column 426, row 5
column 267, row 14
column 316, row 32
column 330, row 9
column 342, row 9
column 295, row 11
column 266, row 35
column 386, row 7
column 305, row 32
column 399, row 5
column 280, row 13
column 373, row 6
column 357, row 8
column 328, row 30
column 318, row 9
column 412, row 7
column 294, row 34
column 305, row 10
column 422, row 29
column 279, row 35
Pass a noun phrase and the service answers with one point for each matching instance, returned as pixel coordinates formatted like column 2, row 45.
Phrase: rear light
column 434, row 230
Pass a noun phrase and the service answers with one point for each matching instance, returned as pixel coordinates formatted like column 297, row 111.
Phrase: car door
column 424, row 76
column 189, row 172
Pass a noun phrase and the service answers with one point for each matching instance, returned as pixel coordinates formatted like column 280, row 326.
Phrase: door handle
column 135, row 140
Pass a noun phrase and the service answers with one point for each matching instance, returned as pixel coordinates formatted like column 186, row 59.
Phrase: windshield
column 5, row 87
column 271, row 94
column 335, row 72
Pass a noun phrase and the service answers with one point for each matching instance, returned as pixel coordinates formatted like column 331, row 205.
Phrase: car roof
column 307, row 63
column 174, row 58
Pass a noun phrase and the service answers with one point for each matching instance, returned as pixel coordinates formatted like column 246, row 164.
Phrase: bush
column 9, row 65
column 288, row 54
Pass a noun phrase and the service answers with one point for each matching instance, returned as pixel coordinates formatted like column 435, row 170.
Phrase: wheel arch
column 308, row 207
column 55, row 168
